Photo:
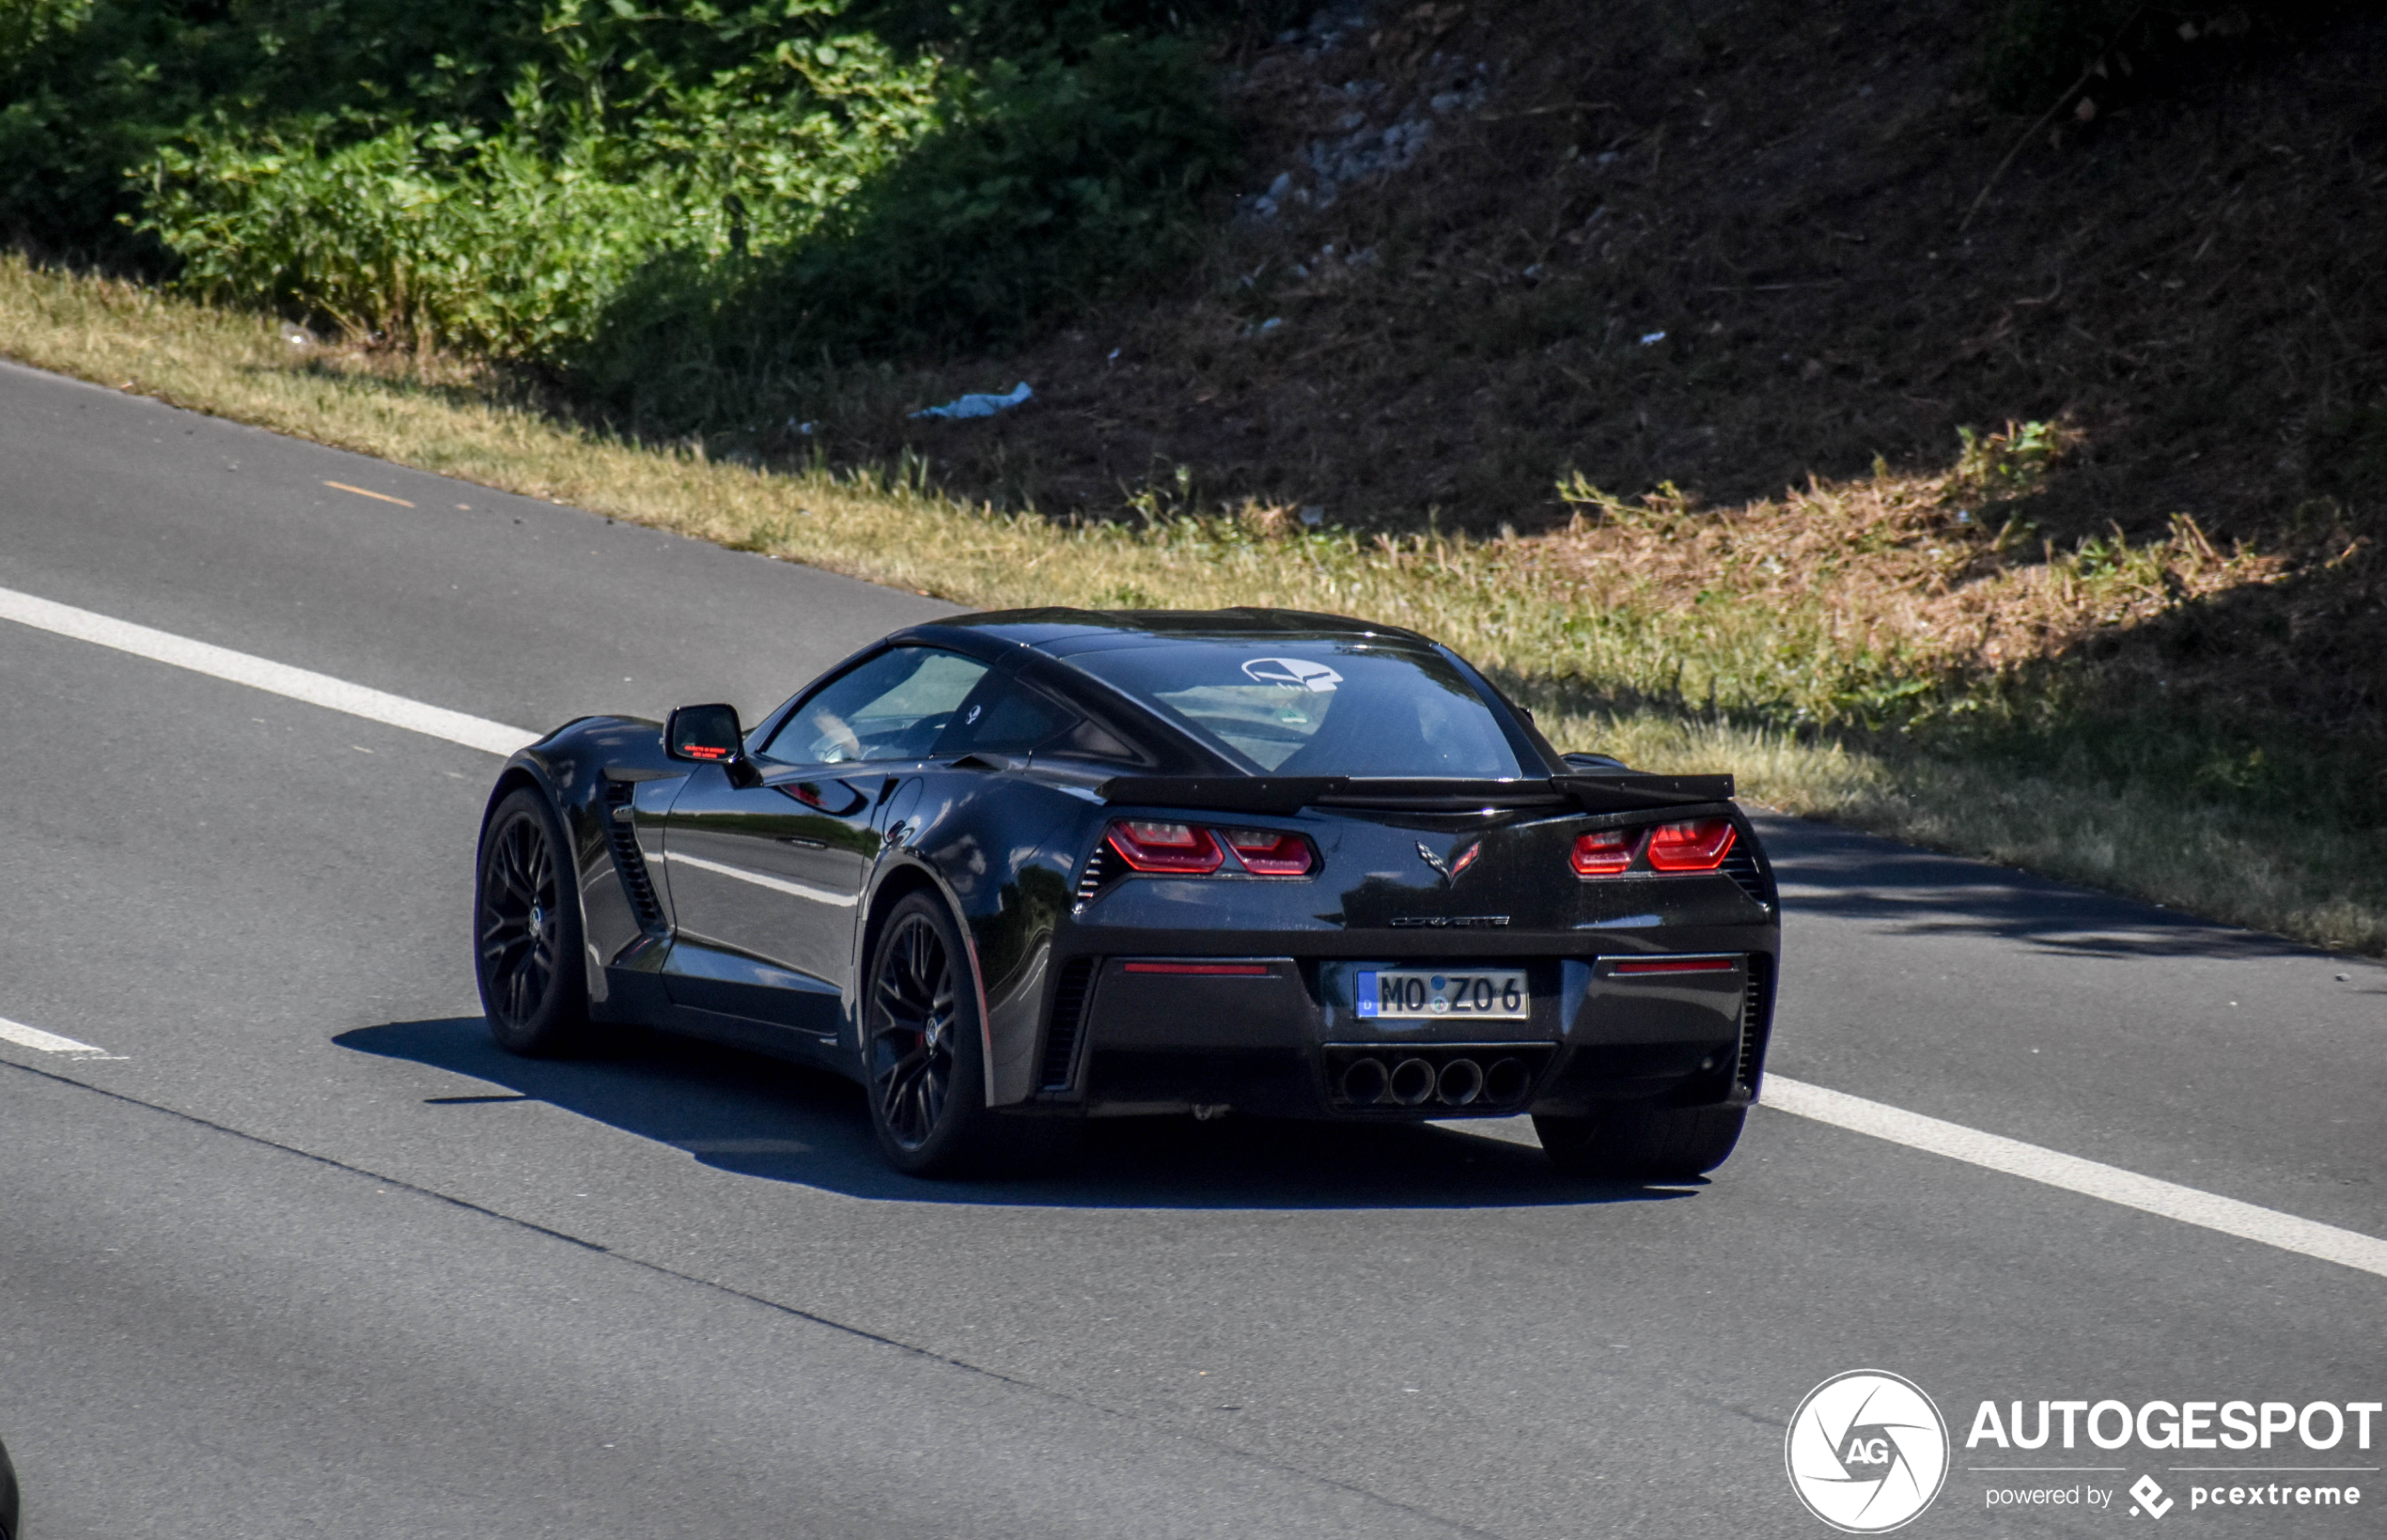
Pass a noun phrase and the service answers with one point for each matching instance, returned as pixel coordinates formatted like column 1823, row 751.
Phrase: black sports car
column 1014, row 870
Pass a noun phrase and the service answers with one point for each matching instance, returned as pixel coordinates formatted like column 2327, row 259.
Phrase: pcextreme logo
column 1866, row 1451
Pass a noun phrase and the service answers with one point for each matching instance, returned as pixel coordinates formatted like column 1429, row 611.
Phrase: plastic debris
column 1651, row 339
column 979, row 405
column 1313, row 516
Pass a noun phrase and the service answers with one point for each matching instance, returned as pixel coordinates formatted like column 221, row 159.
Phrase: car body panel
column 737, row 902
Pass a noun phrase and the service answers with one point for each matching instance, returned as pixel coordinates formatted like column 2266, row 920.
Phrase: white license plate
column 1497, row 993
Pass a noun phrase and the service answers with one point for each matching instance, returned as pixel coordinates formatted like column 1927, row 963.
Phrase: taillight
column 1604, row 852
column 1699, row 846
column 1265, row 852
column 1152, row 846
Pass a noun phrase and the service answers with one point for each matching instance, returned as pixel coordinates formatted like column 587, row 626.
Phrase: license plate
column 1497, row 993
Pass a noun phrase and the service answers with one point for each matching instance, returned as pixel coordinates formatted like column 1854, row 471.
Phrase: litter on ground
column 980, row 405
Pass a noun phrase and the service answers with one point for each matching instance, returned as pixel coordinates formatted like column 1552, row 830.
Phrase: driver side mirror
column 706, row 734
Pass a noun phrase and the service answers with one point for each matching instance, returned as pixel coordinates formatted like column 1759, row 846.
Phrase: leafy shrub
column 658, row 200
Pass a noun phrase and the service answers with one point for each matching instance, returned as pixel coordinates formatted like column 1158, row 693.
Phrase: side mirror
column 706, row 734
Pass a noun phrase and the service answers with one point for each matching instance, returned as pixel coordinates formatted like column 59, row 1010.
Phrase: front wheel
column 527, row 946
column 1660, row 1144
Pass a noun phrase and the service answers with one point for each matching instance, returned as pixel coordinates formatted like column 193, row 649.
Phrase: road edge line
column 298, row 684
column 2090, row 1179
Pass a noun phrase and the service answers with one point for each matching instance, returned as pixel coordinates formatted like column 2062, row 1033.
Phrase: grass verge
column 1795, row 678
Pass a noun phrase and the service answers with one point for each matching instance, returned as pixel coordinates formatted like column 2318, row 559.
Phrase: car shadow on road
column 778, row 1122
column 1913, row 891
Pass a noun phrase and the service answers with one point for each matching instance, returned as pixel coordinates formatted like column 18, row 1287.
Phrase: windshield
column 1311, row 707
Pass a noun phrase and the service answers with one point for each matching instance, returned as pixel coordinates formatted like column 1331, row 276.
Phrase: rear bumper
column 1281, row 1036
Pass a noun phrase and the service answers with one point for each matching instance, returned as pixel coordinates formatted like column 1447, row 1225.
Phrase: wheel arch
column 903, row 878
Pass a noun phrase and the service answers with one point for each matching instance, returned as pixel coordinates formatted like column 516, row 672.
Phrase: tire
column 924, row 1061
column 526, row 935
column 1662, row 1143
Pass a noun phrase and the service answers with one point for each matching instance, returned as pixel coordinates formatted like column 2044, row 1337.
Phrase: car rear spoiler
column 1625, row 791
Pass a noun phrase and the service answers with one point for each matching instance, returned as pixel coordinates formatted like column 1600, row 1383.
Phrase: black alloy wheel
column 526, row 941
column 925, row 1064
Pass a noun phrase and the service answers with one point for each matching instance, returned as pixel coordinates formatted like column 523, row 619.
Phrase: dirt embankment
column 1733, row 248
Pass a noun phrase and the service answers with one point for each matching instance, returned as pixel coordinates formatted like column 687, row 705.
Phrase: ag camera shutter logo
column 1866, row 1451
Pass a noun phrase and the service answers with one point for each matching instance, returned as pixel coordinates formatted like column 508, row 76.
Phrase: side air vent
column 1068, row 1020
column 1754, row 1012
column 1098, row 871
column 627, row 859
column 1741, row 865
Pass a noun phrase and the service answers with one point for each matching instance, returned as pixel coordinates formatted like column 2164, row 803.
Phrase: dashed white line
column 46, row 1042
column 2207, row 1210
column 262, row 674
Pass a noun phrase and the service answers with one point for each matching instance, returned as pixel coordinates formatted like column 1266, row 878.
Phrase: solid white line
column 800, row 890
column 43, row 1042
column 262, row 674
column 2246, row 1221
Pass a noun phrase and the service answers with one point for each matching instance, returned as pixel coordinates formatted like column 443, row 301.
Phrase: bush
column 655, row 199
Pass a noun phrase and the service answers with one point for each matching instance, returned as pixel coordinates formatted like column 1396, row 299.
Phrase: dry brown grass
column 1643, row 628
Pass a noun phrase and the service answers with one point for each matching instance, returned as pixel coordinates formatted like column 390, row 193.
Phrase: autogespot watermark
column 1867, row 1452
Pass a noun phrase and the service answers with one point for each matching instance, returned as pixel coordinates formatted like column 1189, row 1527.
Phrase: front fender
column 568, row 767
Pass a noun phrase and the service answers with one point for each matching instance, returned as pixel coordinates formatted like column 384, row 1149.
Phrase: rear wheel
column 527, row 944
column 1667, row 1143
column 926, row 1066
column 925, row 1061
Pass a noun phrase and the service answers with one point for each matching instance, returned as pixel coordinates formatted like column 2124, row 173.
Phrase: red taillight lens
column 1604, row 854
column 1265, row 852
column 1699, row 846
column 1152, row 846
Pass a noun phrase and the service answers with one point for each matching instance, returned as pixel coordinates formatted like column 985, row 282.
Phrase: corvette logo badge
column 1451, row 868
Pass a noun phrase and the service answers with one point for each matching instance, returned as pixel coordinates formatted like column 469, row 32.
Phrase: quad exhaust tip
column 1364, row 1081
column 1413, row 1083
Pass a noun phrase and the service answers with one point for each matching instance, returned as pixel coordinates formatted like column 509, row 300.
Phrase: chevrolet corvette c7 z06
column 1017, row 869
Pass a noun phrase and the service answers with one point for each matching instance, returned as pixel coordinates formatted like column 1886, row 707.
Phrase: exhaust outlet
column 1507, row 1079
column 1364, row 1082
column 1412, row 1083
column 1462, row 1081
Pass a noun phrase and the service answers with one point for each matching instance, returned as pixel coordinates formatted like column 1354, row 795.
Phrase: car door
column 766, row 877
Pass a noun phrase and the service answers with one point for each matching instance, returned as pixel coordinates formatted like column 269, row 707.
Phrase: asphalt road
column 306, row 1256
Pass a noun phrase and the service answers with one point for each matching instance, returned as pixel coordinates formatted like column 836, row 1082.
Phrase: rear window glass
column 1316, row 708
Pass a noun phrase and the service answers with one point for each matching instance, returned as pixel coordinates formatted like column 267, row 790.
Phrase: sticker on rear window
column 1297, row 672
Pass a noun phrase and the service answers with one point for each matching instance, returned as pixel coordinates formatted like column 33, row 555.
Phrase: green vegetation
column 662, row 203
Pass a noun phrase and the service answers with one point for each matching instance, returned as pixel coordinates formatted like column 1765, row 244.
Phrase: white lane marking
column 2246, row 1221
column 46, row 1042
column 818, row 895
column 262, row 674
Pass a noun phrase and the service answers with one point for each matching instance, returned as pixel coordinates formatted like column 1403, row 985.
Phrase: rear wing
column 1624, row 791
